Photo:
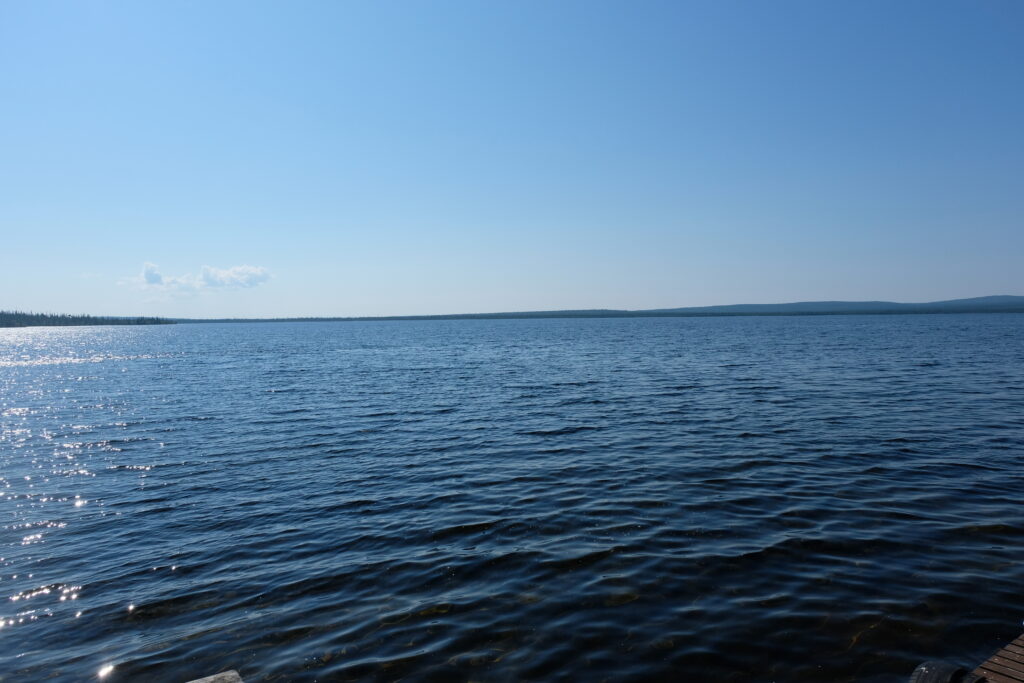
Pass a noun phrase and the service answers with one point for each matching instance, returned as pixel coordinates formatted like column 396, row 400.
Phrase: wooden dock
column 1005, row 666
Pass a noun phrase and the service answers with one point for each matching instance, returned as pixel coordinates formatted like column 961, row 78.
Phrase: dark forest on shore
column 24, row 319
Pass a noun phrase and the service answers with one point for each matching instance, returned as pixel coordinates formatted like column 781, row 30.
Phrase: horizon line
column 1012, row 302
column 1008, row 303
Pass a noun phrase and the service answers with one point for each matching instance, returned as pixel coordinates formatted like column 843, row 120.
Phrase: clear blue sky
column 362, row 158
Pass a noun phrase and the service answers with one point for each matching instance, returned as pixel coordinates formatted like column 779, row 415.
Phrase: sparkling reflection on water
column 793, row 499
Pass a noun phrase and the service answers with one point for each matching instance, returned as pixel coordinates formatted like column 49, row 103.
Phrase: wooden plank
column 1008, row 663
column 1012, row 674
column 993, row 676
column 1011, row 655
column 1015, row 648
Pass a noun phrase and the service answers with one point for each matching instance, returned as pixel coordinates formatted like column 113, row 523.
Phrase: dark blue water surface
column 736, row 499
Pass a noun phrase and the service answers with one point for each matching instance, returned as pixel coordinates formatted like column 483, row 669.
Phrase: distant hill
column 981, row 304
column 22, row 319
column 984, row 304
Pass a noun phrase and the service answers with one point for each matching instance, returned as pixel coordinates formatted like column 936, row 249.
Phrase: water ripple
column 735, row 499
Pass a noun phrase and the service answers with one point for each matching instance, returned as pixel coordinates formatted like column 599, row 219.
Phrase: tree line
column 27, row 319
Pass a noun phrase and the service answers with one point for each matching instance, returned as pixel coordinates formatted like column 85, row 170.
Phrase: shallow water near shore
column 826, row 498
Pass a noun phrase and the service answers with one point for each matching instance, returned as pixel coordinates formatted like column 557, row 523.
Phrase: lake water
column 829, row 498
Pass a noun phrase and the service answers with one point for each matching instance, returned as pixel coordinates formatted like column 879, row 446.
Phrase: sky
column 251, row 159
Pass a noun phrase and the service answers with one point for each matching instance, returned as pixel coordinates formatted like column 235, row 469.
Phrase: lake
column 821, row 498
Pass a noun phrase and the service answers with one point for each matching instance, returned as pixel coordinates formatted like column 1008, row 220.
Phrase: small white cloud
column 235, row 277
column 150, row 275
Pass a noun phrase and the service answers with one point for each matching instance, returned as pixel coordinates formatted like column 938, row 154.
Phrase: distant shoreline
column 21, row 319
column 555, row 316
column 986, row 304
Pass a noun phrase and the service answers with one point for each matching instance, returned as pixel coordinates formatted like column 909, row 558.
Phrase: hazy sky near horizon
column 373, row 158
